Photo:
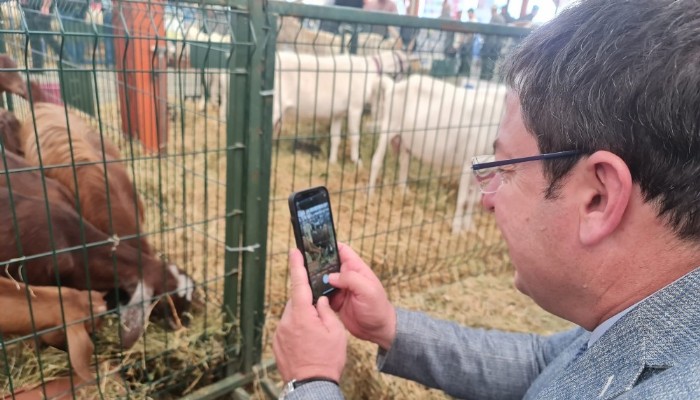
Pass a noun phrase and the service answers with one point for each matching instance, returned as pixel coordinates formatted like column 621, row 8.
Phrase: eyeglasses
column 486, row 168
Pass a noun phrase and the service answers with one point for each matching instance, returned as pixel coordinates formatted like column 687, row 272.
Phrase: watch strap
column 297, row 383
column 293, row 384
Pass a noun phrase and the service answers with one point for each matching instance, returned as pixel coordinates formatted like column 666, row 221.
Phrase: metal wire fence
column 119, row 73
column 445, row 113
column 201, row 119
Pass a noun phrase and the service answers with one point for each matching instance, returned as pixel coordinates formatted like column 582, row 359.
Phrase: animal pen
column 150, row 77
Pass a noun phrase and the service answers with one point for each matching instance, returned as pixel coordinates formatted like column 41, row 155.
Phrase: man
column 332, row 26
column 73, row 15
column 471, row 16
column 601, row 224
column 529, row 17
column 491, row 49
column 107, row 29
column 505, row 16
column 387, row 6
column 37, row 14
column 465, row 49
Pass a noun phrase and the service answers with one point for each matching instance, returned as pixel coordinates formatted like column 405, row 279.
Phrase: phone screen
column 317, row 240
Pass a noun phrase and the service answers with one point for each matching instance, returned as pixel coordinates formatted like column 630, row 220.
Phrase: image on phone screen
column 318, row 240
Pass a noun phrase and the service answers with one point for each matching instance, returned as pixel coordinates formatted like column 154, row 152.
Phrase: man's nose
column 487, row 201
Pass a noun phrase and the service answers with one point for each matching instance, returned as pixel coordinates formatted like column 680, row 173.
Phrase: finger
column 337, row 300
column 301, row 291
column 351, row 281
column 349, row 259
column 286, row 314
column 327, row 315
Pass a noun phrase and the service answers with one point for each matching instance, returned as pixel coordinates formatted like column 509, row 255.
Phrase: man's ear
column 605, row 191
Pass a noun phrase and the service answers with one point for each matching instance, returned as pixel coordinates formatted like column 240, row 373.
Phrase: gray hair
column 621, row 76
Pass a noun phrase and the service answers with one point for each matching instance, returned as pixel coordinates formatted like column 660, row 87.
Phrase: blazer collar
column 653, row 337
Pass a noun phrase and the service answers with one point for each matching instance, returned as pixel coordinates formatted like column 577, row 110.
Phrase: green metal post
column 258, row 156
column 236, row 123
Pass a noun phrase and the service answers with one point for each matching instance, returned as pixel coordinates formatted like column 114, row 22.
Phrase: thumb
column 326, row 313
column 352, row 281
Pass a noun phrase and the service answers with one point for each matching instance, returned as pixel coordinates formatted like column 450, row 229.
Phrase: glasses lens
column 483, row 159
column 484, row 176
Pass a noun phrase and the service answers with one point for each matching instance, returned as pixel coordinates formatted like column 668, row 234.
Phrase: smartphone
column 314, row 232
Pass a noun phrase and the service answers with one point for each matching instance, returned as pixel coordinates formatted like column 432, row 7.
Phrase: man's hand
column 362, row 303
column 309, row 342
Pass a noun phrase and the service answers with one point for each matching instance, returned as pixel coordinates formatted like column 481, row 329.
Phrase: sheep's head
column 135, row 314
column 164, row 294
column 177, row 296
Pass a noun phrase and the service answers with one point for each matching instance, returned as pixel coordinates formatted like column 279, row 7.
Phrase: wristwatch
column 292, row 385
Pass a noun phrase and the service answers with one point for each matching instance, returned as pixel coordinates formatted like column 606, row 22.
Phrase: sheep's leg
column 404, row 161
column 214, row 87
column 378, row 160
column 223, row 79
column 354, row 120
column 335, row 139
column 465, row 200
column 206, row 82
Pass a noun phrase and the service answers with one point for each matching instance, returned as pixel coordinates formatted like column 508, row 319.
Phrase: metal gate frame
column 249, row 127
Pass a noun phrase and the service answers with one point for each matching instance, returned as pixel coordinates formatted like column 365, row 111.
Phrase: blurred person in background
column 37, row 14
column 73, row 14
column 529, row 17
column 387, row 6
column 491, row 49
column 507, row 18
column 466, row 43
column 108, row 31
column 332, row 26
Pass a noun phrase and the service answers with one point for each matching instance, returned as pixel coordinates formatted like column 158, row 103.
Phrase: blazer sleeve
column 469, row 363
column 316, row 391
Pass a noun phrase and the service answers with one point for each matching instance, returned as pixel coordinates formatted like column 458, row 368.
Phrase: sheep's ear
column 80, row 349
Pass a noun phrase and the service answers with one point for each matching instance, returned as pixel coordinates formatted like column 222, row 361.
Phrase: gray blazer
column 653, row 352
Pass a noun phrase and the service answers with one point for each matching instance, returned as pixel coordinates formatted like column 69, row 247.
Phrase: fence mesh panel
column 405, row 235
column 184, row 93
column 134, row 73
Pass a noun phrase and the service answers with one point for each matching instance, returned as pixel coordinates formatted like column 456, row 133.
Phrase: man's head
column 620, row 76
column 617, row 81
